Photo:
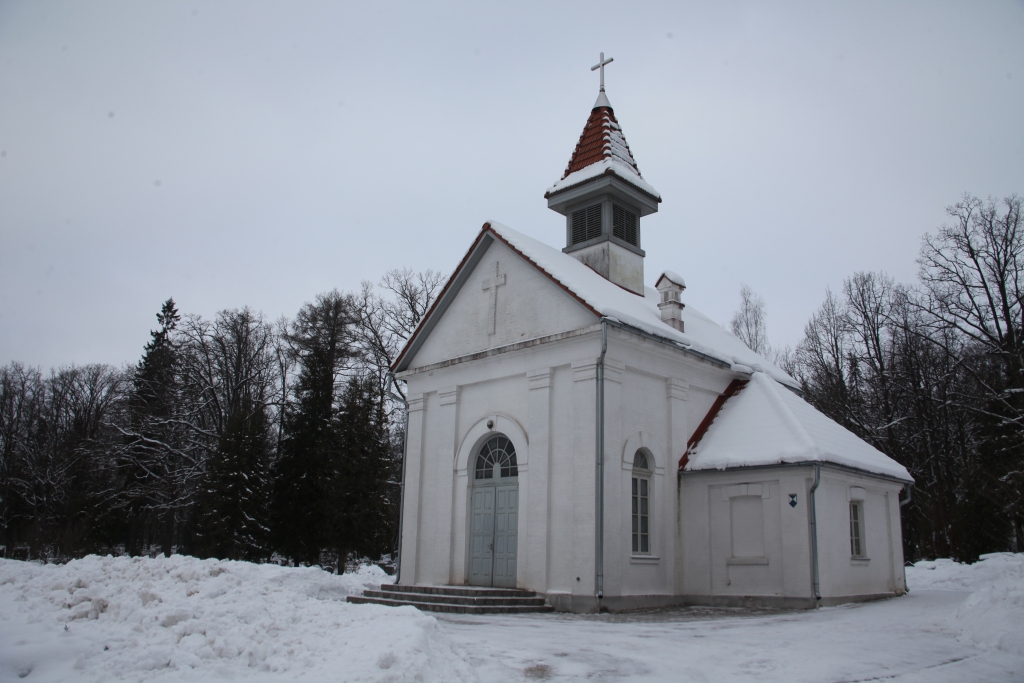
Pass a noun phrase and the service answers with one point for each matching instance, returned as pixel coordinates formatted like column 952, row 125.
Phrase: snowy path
column 906, row 639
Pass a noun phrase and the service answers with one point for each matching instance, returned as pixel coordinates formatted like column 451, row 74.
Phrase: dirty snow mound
column 180, row 618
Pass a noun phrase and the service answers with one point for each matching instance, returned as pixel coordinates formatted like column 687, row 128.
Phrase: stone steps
column 456, row 599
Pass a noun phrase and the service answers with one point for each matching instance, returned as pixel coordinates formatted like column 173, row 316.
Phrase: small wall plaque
column 792, row 500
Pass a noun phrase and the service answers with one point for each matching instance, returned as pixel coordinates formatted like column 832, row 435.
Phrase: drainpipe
column 907, row 499
column 401, row 484
column 903, row 502
column 814, row 535
column 599, row 531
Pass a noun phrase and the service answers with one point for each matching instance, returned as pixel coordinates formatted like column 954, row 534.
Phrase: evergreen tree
column 153, row 440
column 358, row 513
column 233, row 518
column 321, row 340
column 155, row 375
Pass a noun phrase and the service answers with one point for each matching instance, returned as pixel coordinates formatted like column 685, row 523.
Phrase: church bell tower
column 603, row 197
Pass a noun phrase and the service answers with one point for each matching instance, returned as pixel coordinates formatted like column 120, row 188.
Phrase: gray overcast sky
column 243, row 153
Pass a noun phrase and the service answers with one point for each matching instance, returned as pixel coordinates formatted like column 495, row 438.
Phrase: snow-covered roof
column 609, row 165
column 766, row 424
column 607, row 299
column 674, row 278
column 602, row 148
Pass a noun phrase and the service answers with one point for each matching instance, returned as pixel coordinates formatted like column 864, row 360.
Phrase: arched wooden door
column 494, row 523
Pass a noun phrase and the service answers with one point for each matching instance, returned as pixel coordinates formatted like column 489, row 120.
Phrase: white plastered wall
column 528, row 305
column 544, row 398
column 523, row 393
column 654, row 398
column 721, row 568
column 881, row 570
column 712, row 573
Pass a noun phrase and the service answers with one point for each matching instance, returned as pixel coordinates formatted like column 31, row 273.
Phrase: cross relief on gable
column 491, row 285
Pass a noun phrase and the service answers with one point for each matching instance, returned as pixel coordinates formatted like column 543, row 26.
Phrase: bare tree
column 56, row 467
column 882, row 364
column 749, row 324
column 971, row 273
column 391, row 311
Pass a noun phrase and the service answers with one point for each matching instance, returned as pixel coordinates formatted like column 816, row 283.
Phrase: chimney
column 671, row 287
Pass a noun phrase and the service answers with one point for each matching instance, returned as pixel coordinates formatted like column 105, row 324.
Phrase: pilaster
column 411, row 516
column 584, row 468
column 538, row 543
column 443, row 480
column 614, row 416
column 677, row 393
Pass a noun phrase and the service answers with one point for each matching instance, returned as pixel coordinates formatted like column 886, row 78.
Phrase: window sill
column 860, row 560
column 747, row 560
column 644, row 559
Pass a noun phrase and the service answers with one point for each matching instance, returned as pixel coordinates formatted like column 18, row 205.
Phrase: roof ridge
column 735, row 387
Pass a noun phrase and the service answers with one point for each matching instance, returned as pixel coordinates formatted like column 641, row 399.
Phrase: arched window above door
column 496, row 459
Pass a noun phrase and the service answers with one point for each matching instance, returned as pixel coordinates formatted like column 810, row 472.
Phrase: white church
column 575, row 432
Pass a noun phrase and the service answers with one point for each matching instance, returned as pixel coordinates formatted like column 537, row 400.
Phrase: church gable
column 496, row 297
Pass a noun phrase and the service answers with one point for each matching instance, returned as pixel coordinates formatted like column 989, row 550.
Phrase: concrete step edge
column 455, row 609
column 481, row 591
column 455, row 599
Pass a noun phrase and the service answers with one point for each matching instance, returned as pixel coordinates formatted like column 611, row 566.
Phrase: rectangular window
column 857, row 528
column 586, row 224
column 641, row 516
column 624, row 224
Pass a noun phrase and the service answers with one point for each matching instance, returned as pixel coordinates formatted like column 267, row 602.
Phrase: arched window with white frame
column 641, row 504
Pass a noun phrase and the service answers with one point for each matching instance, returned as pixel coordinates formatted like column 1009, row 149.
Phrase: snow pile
column 993, row 615
column 946, row 574
column 181, row 618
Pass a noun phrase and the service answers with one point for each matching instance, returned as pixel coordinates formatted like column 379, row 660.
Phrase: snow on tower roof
column 672, row 277
column 764, row 424
column 605, row 298
column 601, row 149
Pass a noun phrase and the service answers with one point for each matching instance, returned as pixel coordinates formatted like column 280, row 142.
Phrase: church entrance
column 494, row 522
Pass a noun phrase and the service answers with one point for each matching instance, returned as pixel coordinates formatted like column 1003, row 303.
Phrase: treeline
column 932, row 374
column 240, row 438
column 232, row 438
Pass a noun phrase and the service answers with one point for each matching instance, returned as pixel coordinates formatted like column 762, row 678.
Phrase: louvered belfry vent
column 586, row 224
column 624, row 224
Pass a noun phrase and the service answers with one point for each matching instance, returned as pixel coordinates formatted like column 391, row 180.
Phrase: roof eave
column 440, row 304
column 608, row 171
column 802, row 463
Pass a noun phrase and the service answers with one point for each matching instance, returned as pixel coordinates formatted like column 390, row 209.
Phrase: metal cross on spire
column 600, row 65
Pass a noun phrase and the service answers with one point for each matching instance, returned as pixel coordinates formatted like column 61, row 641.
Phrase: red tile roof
column 602, row 139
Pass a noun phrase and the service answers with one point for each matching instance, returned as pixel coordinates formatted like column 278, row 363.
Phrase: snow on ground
column 179, row 618
column 993, row 615
column 184, row 619
column 921, row 637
